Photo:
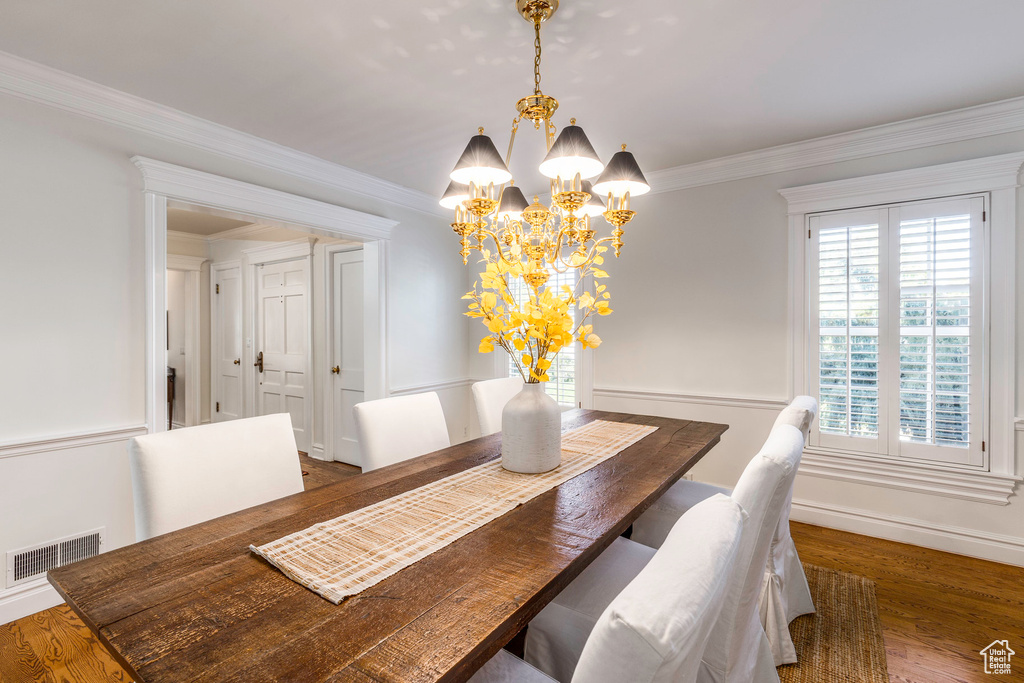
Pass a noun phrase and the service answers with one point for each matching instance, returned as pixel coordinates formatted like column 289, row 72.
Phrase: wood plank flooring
column 937, row 611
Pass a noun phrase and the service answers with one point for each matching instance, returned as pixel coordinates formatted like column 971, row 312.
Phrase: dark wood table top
column 197, row 605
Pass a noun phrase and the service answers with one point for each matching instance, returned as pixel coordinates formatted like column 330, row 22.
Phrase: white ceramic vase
column 531, row 431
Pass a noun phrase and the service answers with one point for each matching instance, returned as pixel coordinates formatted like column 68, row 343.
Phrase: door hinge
column 984, row 214
column 808, row 233
column 218, row 406
column 982, row 446
column 218, row 289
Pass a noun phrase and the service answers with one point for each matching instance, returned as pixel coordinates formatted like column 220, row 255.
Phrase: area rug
column 841, row 642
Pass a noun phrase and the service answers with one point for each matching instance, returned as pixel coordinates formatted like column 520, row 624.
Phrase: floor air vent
column 30, row 563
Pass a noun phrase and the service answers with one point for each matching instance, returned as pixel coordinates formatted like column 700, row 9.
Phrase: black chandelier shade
column 572, row 153
column 481, row 164
column 622, row 175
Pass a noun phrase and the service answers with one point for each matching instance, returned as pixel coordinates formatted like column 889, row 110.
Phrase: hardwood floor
column 54, row 646
column 937, row 610
column 317, row 472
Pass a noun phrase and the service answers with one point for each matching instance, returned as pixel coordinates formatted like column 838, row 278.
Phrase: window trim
column 887, row 445
column 997, row 176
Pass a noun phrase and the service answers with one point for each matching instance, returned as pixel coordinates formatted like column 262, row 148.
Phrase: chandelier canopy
column 488, row 205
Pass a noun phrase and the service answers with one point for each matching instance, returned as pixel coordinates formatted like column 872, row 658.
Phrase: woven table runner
column 348, row 554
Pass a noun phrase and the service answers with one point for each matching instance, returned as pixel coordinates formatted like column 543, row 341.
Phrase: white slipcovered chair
column 394, row 429
column 785, row 594
column 649, row 623
column 738, row 651
column 187, row 476
column 490, row 397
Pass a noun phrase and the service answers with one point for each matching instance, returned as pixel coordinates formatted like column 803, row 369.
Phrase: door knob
column 259, row 361
column 237, row 361
column 335, row 370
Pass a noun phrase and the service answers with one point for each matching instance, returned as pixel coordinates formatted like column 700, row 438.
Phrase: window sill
column 972, row 485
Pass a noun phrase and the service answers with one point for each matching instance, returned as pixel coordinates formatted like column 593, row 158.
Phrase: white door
column 347, row 352
column 282, row 343
column 226, row 323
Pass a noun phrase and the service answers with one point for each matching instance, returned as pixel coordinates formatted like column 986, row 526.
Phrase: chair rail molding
column 443, row 385
column 995, row 118
column 45, row 85
column 775, row 404
column 43, row 444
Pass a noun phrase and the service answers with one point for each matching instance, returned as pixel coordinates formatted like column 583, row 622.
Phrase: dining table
column 197, row 605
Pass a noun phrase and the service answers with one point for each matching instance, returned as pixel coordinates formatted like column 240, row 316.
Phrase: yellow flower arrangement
column 536, row 325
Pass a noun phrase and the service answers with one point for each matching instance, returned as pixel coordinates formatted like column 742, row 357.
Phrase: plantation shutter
column 846, row 281
column 938, row 288
column 896, row 330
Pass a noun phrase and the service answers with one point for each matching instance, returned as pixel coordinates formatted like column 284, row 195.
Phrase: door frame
column 215, row 339
column 170, row 185
column 251, row 260
column 328, row 336
column 192, row 267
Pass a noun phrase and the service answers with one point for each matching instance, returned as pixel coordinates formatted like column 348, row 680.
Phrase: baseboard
column 952, row 539
column 26, row 599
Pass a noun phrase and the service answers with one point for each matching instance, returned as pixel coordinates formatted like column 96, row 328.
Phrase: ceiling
column 181, row 220
column 395, row 89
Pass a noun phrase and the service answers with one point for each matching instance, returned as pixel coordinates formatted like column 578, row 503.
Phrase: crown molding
column 206, row 189
column 960, row 177
column 242, row 232
column 186, row 236
column 45, row 85
column 179, row 262
column 283, row 251
column 1006, row 116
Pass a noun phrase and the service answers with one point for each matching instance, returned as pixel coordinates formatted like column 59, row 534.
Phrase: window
column 895, row 334
column 563, row 372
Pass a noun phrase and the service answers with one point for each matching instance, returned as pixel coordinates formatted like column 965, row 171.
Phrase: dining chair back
column 739, row 651
column 186, row 476
column 394, row 429
column 658, row 627
column 490, row 397
column 785, row 594
column 635, row 614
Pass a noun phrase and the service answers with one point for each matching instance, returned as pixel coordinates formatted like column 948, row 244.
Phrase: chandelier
column 559, row 236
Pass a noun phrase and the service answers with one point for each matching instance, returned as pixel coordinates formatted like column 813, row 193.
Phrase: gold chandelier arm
column 497, row 244
column 512, row 138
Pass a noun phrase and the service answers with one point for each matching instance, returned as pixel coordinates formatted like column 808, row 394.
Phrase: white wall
column 700, row 299
column 71, row 246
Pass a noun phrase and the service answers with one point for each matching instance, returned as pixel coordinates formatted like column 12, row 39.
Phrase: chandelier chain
column 536, row 59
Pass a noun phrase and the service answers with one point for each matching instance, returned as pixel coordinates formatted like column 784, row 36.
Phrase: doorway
column 281, row 340
column 346, row 350
column 292, row 299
